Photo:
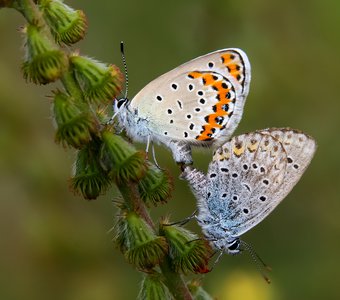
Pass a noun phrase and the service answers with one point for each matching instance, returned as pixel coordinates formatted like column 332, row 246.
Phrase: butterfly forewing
column 199, row 101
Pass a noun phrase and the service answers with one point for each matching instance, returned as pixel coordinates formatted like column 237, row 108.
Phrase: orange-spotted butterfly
column 198, row 103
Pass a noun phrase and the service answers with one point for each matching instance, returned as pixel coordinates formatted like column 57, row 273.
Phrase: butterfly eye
column 121, row 102
column 234, row 245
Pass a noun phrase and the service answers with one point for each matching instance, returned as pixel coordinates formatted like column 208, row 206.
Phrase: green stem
column 173, row 280
column 71, row 84
column 132, row 199
column 30, row 11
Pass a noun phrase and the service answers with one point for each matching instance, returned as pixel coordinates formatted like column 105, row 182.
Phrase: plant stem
column 30, row 11
column 132, row 199
column 173, row 280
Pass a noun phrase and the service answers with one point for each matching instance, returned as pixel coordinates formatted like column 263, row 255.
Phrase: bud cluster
column 104, row 158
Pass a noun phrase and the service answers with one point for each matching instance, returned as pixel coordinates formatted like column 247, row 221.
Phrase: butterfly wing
column 251, row 174
column 199, row 101
column 300, row 149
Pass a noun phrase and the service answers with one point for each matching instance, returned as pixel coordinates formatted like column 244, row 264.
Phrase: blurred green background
column 54, row 245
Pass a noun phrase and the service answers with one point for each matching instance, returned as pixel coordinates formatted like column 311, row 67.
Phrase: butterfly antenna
column 125, row 69
column 261, row 265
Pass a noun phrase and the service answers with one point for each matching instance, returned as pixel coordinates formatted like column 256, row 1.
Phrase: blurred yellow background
column 54, row 245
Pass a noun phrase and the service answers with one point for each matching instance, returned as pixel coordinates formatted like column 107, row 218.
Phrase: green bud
column 67, row 25
column 75, row 125
column 121, row 159
column 101, row 83
column 89, row 179
column 138, row 242
column 188, row 253
column 156, row 186
column 153, row 288
column 197, row 291
column 44, row 62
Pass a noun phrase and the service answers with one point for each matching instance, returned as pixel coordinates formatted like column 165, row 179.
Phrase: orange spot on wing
column 212, row 125
column 195, row 74
column 219, row 108
column 233, row 68
column 208, row 79
column 236, row 75
column 227, row 58
column 223, row 96
column 207, row 133
column 218, row 85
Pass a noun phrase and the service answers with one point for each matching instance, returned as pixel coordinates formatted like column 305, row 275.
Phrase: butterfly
column 198, row 103
column 247, row 178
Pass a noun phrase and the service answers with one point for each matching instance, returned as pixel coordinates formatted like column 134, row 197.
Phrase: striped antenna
column 258, row 261
column 125, row 69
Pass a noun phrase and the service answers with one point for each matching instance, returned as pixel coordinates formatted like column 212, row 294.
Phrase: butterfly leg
column 183, row 222
column 217, row 260
column 147, row 147
column 154, row 157
column 181, row 152
column 110, row 121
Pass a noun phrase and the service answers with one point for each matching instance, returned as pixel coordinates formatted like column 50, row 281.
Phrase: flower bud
column 89, row 179
column 43, row 62
column 156, row 186
column 75, row 126
column 121, row 159
column 101, row 83
column 67, row 25
column 139, row 243
column 153, row 288
column 188, row 253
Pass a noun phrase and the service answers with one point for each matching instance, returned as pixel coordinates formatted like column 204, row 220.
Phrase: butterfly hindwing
column 246, row 163
column 251, row 174
column 300, row 149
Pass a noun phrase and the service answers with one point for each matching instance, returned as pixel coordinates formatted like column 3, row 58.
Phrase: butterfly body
column 247, row 178
column 198, row 103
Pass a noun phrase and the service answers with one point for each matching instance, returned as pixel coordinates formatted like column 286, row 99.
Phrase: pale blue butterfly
column 247, row 178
